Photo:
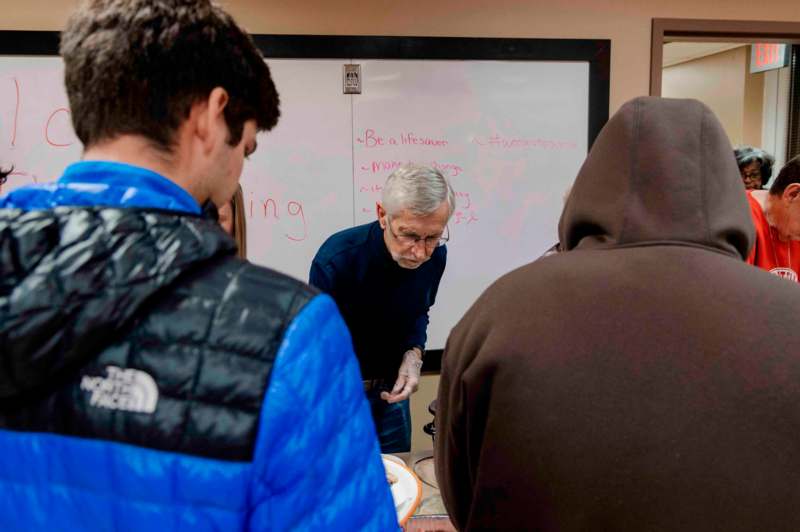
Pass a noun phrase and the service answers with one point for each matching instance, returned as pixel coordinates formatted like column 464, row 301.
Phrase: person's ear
column 381, row 212
column 209, row 118
column 792, row 192
column 217, row 101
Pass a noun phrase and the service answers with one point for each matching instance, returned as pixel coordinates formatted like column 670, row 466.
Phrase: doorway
column 747, row 72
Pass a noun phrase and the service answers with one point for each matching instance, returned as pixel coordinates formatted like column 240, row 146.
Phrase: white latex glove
column 407, row 378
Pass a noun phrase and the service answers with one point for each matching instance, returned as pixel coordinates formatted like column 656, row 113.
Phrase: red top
column 770, row 253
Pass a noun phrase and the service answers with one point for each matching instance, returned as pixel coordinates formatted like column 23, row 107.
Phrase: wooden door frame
column 705, row 30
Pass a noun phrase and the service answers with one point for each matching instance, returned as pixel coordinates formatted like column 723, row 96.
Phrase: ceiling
column 681, row 52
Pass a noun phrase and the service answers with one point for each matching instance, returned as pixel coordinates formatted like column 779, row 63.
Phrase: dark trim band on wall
column 597, row 52
column 29, row 42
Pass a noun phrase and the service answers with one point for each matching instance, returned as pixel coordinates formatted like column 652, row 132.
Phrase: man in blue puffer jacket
column 149, row 379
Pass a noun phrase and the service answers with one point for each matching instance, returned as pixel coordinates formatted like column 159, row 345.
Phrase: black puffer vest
column 102, row 308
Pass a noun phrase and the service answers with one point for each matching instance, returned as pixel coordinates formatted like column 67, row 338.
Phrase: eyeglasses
column 752, row 176
column 411, row 240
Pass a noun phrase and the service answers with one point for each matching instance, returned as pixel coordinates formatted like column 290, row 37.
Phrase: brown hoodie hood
column 659, row 171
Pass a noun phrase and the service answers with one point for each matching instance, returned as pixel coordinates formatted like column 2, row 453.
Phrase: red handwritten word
column 23, row 174
column 47, row 129
column 371, row 139
column 16, row 114
column 448, row 169
column 386, row 166
column 293, row 208
column 410, row 138
column 370, row 188
column 19, row 173
column 381, row 167
column 460, row 217
column 465, row 195
column 496, row 141
column 63, row 143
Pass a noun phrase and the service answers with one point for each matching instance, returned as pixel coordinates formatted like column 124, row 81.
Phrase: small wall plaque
column 352, row 79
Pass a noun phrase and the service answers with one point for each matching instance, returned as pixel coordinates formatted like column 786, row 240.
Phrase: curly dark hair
column 4, row 174
column 138, row 66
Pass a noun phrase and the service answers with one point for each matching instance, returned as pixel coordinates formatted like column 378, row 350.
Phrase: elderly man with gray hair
column 384, row 277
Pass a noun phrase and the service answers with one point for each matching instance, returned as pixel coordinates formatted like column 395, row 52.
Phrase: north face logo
column 130, row 390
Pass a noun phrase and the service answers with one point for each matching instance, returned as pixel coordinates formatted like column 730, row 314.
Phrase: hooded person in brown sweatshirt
column 625, row 384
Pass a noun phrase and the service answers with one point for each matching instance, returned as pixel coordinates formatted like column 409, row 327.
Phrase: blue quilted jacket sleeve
column 317, row 463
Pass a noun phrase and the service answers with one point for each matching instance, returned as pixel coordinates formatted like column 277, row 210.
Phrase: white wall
column 776, row 114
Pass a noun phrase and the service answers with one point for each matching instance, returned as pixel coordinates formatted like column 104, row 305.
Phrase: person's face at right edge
column 787, row 209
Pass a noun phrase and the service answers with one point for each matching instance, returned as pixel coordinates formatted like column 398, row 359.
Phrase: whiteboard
column 510, row 135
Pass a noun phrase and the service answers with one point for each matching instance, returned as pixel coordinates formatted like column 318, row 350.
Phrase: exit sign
column 765, row 56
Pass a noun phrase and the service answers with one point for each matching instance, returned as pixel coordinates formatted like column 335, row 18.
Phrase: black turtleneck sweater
column 385, row 306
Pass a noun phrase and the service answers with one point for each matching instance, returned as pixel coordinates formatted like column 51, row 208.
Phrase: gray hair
column 420, row 189
column 748, row 154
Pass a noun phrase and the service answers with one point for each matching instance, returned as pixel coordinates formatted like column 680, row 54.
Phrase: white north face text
column 130, row 390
